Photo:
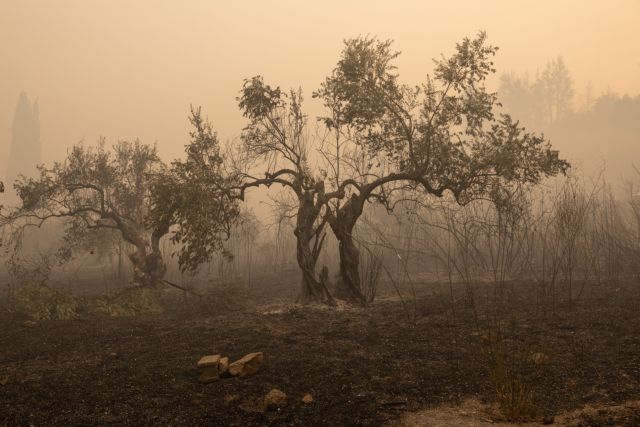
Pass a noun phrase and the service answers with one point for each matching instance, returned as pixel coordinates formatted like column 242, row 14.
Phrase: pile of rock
column 211, row 368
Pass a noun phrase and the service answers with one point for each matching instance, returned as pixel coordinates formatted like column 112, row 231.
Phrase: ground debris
column 275, row 399
column 231, row 398
column 319, row 352
column 252, row 405
column 29, row 323
column 540, row 359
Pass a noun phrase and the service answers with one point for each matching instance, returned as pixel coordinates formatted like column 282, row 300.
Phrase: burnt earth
column 363, row 366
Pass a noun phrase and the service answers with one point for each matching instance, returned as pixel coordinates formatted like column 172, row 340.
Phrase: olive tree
column 442, row 137
column 94, row 189
column 191, row 198
column 276, row 142
column 274, row 149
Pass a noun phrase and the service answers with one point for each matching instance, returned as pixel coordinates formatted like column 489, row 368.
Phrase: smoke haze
column 124, row 69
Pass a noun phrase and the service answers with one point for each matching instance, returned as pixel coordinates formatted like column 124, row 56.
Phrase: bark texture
column 309, row 241
column 148, row 265
column 348, row 287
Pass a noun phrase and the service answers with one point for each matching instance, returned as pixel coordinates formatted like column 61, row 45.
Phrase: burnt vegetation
column 424, row 248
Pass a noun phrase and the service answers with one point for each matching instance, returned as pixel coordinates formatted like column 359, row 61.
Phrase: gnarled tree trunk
column 309, row 240
column 155, row 267
column 348, row 286
column 313, row 289
column 148, row 265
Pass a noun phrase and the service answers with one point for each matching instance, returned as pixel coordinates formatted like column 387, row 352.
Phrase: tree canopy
column 95, row 188
column 193, row 196
column 442, row 137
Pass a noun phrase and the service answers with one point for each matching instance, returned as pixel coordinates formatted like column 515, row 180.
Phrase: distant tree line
column 600, row 128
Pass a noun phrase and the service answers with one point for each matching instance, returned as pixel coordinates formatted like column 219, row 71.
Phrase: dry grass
column 513, row 390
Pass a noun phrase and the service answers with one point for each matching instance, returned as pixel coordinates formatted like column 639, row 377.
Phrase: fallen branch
column 181, row 288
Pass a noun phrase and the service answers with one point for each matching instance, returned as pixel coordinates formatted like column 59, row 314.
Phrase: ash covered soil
column 363, row 366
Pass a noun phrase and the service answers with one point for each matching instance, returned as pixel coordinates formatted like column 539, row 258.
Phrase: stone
column 209, row 361
column 208, row 374
column 208, row 369
column 307, row 399
column 275, row 399
column 223, row 366
column 247, row 365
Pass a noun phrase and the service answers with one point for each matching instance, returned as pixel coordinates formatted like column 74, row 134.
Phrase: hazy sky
column 130, row 68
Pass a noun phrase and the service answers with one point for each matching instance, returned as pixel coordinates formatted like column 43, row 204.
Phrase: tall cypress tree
column 25, row 153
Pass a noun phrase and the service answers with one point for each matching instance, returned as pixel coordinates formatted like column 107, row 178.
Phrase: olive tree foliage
column 96, row 189
column 276, row 142
column 201, row 194
column 441, row 137
column 191, row 199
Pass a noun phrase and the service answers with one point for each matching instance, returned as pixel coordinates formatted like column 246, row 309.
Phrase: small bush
column 130, row 302
column 40, row 302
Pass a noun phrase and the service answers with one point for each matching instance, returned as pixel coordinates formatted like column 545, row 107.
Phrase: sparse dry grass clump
column 513, row 393
column 512, row 372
